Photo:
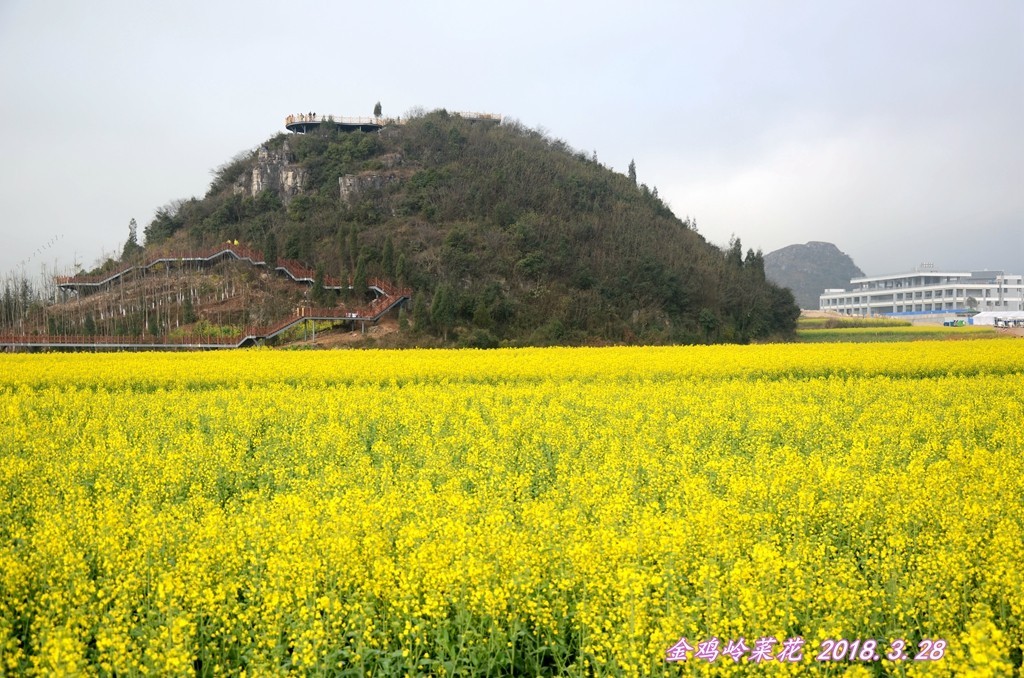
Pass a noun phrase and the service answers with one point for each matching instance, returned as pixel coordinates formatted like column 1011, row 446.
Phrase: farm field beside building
column 529, row 511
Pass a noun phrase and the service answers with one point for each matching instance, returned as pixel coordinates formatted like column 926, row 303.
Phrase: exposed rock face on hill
column 810, row 269
column 274, row 169
column 352, row 186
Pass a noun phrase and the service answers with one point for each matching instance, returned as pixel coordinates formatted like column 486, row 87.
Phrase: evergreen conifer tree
column 482, row 315
column 188, row 310
column 131, row 246
column 388, row 258
column 319, row 291
column 359, row 278
column 420, row 314
column 442, row 310
column 270, row 250
column 353, row 244
column 400, row 270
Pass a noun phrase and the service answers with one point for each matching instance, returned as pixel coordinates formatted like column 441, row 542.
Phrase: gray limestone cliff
column 275, row 170
column 351, row 185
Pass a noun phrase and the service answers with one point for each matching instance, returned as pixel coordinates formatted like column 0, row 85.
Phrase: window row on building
column 927, row 292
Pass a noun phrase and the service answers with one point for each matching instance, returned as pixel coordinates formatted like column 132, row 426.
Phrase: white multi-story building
column 927, row 291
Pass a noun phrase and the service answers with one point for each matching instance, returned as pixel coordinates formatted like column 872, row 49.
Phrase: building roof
column 912, row 274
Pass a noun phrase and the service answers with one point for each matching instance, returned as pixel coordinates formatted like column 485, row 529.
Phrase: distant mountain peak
column 810, row 269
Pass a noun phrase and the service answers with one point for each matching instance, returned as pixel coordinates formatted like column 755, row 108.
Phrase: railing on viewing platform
column 301, row 119
column 314, row 119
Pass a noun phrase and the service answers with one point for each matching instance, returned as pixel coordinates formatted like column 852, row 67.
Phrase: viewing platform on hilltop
column 306, row 122
column 301, row 123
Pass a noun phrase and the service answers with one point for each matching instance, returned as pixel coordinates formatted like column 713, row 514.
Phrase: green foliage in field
column 204, row 328
column 895, row 332
column 835, row 322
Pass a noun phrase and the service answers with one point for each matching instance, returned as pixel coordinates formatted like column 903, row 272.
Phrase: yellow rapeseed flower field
column 528, row 512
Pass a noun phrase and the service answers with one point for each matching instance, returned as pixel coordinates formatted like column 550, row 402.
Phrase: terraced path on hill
column 388, row 297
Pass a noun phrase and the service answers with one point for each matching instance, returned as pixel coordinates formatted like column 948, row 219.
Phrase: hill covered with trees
column 506, row 236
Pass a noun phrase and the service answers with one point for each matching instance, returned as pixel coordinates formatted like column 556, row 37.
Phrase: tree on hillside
column 420, row 314
column 320, row 295
column 359, row 278
column 632, row 171
column 342, row 238
column 188, row 310
column 353, row 244
column 270, row 250
column 387, row 259
column 754, row 265
column 442, row 310
column 293, row 245
column 734, row 255
column 131, row 247
column 482, row 315
column 166, row 221
column 401, row 270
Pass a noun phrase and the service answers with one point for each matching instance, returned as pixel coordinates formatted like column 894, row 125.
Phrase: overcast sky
column 892, row 129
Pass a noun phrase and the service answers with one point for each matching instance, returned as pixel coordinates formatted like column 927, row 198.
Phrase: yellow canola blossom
column 527, row 511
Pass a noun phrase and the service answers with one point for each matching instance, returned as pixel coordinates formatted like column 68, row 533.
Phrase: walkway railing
column 295, row 270
column 311, row 118
column 391, row 297
column 114, row 341
column 339, row 119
